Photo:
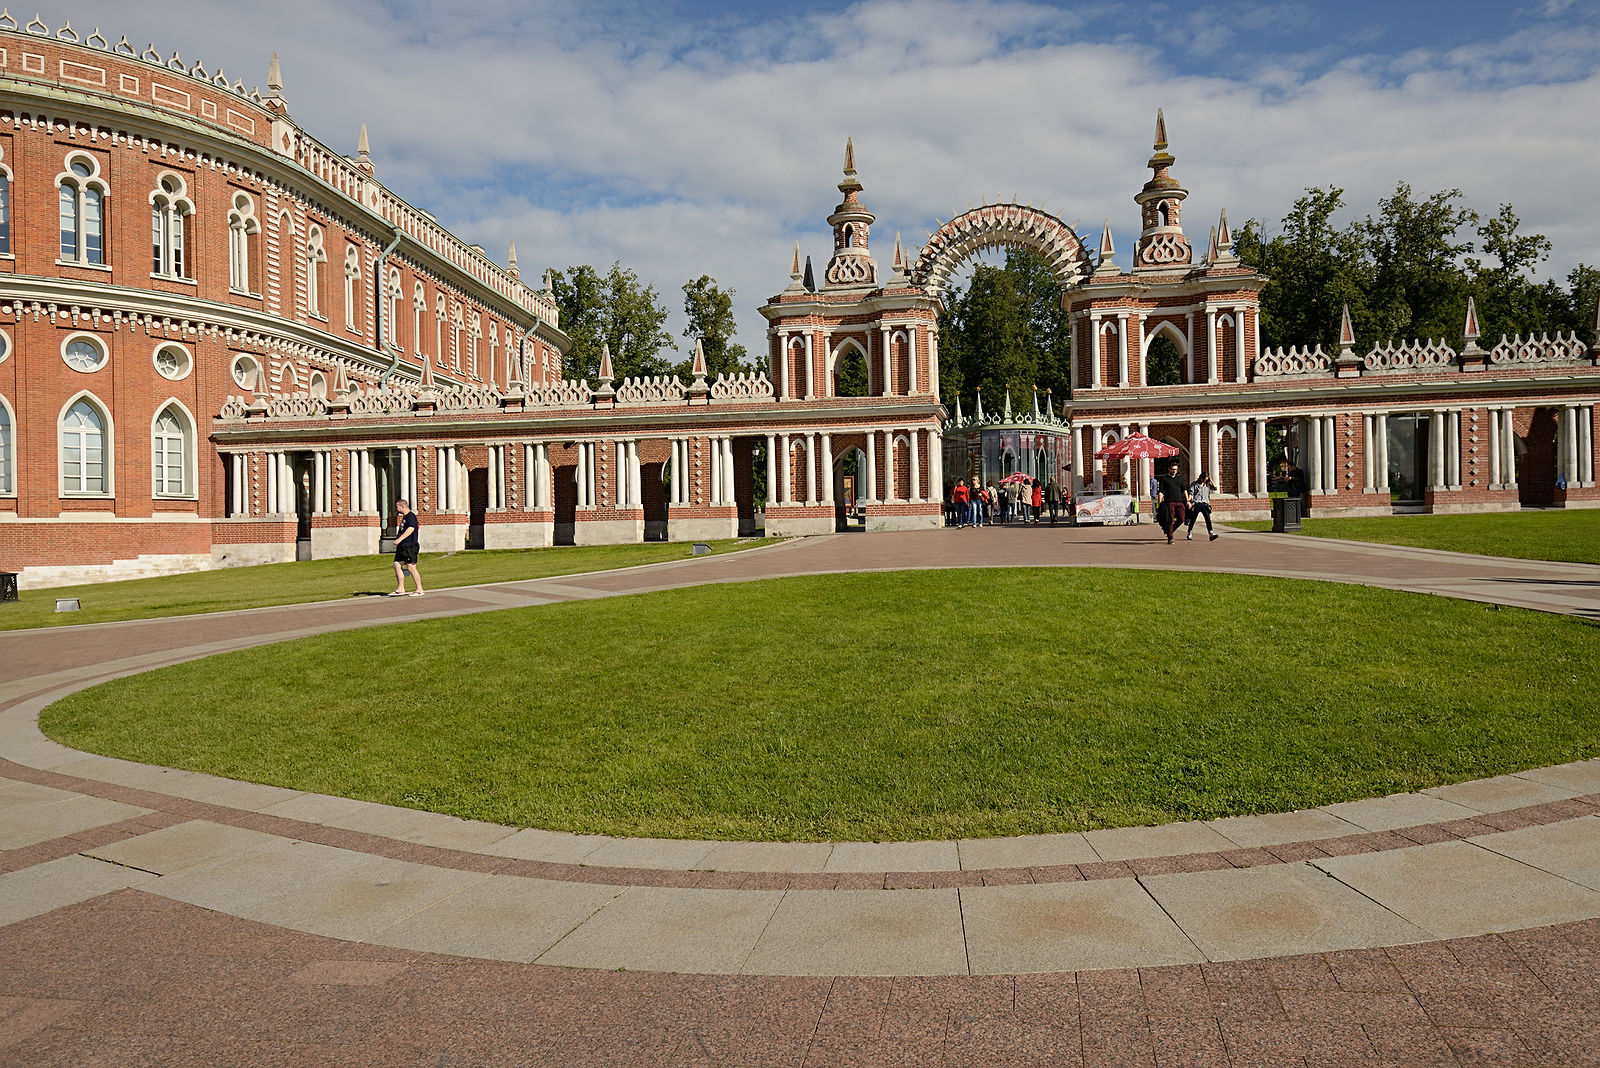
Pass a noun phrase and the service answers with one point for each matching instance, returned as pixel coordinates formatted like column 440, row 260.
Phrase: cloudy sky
column 705, row 138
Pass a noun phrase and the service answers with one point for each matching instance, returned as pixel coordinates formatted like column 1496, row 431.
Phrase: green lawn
column 1572, row 536
column 888, row 706
column 324, row 580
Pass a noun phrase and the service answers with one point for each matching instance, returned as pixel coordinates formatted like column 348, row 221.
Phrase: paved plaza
column 155, row 916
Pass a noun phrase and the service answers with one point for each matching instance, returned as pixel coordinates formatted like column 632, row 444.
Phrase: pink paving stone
column 1425, row 834
column 1294, row 852
column 1156, row 866
column 1248, row 858
column 908, row 880
column 348, row 973
column 1052, row 873
column 1106, row 869
column 1192, row 862
column 945, row 880
column 1010, row 876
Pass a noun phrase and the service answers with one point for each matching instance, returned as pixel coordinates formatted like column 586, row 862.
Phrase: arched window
column 8, row 460
column 474, row 331
column 395, row 293
column 419, row 304
column 438, row 329
column 1163, row 214
column 172, row 442
column 83, row 221
column 849, row 371
column 5, row 210
column 316, row 256
column 456, row 325
column 352, row 278
column 169, row 210
column 85, row 453
column 1163, row 361
column 243, row 238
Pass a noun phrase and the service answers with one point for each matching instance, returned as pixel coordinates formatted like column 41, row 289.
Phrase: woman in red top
column 1038, row 499
column 962, row 500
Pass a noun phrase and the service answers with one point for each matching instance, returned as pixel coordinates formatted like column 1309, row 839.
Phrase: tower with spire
column 1162, row 245
column 852, row 266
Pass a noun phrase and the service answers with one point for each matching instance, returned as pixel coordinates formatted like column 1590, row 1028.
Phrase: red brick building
column 222, row 342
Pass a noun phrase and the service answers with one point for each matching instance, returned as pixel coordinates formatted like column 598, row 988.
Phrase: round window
column 84, row 354
column 244, row 372
column 5, row 346
column 172, row 362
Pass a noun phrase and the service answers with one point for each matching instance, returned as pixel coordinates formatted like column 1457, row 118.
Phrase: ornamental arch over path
column 1000, row 226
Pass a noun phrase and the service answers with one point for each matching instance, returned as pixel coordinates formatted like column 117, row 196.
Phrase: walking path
column 1454, row 923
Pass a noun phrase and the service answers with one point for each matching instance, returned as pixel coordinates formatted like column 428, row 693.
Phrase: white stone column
column 1380, row 476
column 715, row 445
column 872, row 467
column 1096, row 441
column 781, row 368
column 1197, row 462
column 1214, row 449
column 772, row 469
column 811, row 367
column 811, row 469
column 1453, row 450
column 933, row 362
column 1368, row 447
column 270, row 477
column 1094, row 351
column 1211, row 346
column 1241, row 454
column 890, row 488
column 730, row 495
column 936, row 466
column 826, row 472
column 1436, row 450
column 1260, row 449
column 785, row 479
column 1122, row 349
column 1332, row 476
column 1572, row 471
column 1586, row 444
column 1077, row 460
column 1238, row 345
column 911, row 359
column 1508, row 441
column 885, row 366
column 1314, row 466
column 914, row 482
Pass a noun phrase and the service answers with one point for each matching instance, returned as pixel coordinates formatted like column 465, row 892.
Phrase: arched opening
column 850, row 371
column 849, row 489
column 1163, row 361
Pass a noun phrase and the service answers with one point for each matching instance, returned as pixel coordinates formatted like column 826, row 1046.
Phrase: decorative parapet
column 563, row 394
column 657, row 389
column 1293, row 362
column 1409, row 357
column 748, row 386
column 1543, row 350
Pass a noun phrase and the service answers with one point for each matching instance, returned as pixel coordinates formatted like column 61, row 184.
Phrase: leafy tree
column 710, row 312
column 616, row 310
column 1006, row 330
column 1509, row 301
column 1312, row 269
column 850, row 375
column 1163, row 363
column 1418, row 287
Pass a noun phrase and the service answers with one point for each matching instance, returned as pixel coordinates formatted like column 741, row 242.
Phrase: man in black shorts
column 405, row 550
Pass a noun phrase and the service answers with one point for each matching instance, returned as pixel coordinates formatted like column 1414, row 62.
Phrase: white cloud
column 680, row 146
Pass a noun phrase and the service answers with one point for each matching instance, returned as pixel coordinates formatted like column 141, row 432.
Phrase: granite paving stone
column 1279, row 827
column 658, row 929
column 184, row 846
column 893, row 856
column 903, row 932
column 669, row 853
column 1055, row 927
column 1500, row 793
column 1453, row 889
column 1032, row 850
column 1399, row 810
column 553, row 846
column 40, row 822
column 499, row 918
column 1570, row 849
column 46, row 887
column 1167, row 840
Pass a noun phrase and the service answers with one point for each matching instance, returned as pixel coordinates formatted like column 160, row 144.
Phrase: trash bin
column 1286, row 515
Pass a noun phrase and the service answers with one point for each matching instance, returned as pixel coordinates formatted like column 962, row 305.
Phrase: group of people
column 1179, row 504
column 1013, row 500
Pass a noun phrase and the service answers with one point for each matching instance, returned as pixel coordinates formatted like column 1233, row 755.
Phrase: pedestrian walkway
column 1491, row 886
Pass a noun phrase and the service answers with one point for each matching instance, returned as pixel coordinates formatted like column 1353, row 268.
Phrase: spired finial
column 899, row 256
column 511, row 262
column 1224, row 235
column 363, row 146
column 1107, row 248
column 698, row 368
column 849, row 156
column 1469, row 329
column 274, row 75
column 605, row 362
column 794, row 264
column 1161, row 131
column 1347, row 334
column 1211, row 249
column 810, row 280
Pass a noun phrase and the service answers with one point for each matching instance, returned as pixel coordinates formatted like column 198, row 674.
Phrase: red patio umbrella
column 1136, row 446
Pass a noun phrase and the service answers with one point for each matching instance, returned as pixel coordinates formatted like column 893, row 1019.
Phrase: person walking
column 1200, row 491
column 1174, row 500
column 961, row 500
column 1052, row 499
column 405, row 550
column 1037, row 503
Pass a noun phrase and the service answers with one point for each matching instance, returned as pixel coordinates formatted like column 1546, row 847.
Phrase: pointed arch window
column 82, row 197
column 456, row 325
column 85, row 452
column 438, row 329
column 419, row 304
column 316, row 256
column 244, row 239
column 170, row 210
column 395, row 295
column 352, row 287
column 474, row 332
column 5, row 210
column 172, row 449
column 8, row 459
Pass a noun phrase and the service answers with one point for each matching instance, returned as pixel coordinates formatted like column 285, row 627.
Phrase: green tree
column 1007, row 329
column 1509, row 300
column 710, row 312
column 1419, row 289
column 615, row 310
column 1313, row 270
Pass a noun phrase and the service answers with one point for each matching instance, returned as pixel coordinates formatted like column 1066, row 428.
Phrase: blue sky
column 689, row 138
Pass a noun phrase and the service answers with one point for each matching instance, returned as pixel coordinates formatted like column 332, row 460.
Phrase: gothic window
column 244, row 239
column 1162, row 214
column 1163, row 361
column 169, row 212
column 438, row 330
column 419, row 304
column 85, row 457
column 8, row 478
column 5, row 210
column 352, row 288
column 172, row 442
column 395, row 293
column 456, row 325
column 83, row 223
column 316, row 256
column 475, row 331
column 849, row 371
